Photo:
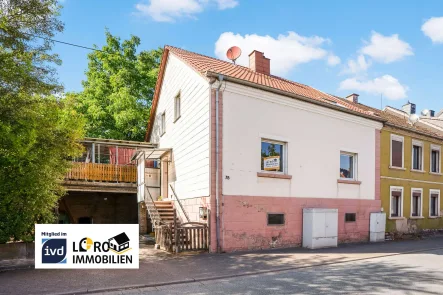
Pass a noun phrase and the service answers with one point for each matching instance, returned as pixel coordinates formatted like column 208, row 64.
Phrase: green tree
column 39, row 131
column 118, row 90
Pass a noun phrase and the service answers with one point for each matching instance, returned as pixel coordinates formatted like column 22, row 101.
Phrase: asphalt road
column 418, row 273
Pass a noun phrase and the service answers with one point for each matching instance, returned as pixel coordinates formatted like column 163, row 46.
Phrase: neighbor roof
column 204, row 64
column 398, row 118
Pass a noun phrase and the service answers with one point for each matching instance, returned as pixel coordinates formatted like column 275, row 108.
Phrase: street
column 407, row 267
column 420, row 273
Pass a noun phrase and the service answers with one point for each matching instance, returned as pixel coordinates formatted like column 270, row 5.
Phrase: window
column 397, row 157
column 435, row 159
column 417, row 155
column 177, row 107
column 163, row 123
column 273, row 156
column 350, row 217
column 416, row 202
column 434, row 203
column 276, row 218
column 348, row 165
column 396, row 201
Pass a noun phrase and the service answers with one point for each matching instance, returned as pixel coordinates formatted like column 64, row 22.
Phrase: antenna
column 233, row 53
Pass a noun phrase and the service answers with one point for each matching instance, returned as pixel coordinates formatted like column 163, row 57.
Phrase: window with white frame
column 435, row 158
column 273, row 156
column 163, row 123
column 417, row 155
column 434, row 203
column 416, row 202
column 348, row 165
column 177, row 107
column 396, row 204
column 397, row 151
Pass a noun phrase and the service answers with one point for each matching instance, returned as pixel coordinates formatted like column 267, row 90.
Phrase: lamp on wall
column 203, row 212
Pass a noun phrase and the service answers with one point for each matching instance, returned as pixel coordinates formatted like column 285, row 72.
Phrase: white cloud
column 170, row 10
column 433, row 28
column 386, row 49
column 225, row 4
column 387, row 85
column 285, row 51
column 357, row 66
column 333, row 60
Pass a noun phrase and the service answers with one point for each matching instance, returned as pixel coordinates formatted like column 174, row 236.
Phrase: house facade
column 255, row 150
column 411, row 175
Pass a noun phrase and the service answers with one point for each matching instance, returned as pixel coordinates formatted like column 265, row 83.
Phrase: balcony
column 103, row 172
column 106, row 165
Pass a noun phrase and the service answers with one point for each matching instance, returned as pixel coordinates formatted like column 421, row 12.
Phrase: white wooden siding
column 189, row 135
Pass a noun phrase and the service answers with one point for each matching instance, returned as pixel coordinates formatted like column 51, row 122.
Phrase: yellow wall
column 409, row 179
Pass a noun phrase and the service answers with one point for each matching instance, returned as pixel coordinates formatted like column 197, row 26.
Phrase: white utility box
column 320, row 228
column 377, row 227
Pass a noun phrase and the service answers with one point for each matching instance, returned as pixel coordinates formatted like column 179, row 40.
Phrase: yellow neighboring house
column 411, row 173
column 411, row 179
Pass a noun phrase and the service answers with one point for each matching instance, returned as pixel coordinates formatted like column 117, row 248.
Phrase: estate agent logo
column 87, row 246
column 53, row 250
column 120, row 243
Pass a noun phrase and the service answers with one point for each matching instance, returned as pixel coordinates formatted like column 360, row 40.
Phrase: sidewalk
column 160, row 268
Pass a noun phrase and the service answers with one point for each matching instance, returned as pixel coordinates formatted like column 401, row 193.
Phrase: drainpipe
column 217, row 153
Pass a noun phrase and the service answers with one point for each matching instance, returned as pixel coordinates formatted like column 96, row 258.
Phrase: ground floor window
column 396, row 201
column 434, row 203
column 272, row 156
column 416, row 202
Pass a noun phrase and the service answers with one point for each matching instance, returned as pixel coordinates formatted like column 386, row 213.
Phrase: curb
column 205, row 279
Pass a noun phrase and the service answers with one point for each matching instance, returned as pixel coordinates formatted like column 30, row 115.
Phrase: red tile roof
column 203, row 64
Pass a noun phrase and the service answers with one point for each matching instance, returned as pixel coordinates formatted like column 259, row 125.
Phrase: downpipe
column 217, row 165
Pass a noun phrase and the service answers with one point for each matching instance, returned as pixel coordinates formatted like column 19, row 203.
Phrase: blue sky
column 373, row 48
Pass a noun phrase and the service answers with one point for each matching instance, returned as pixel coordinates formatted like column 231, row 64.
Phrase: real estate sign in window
column 272, row 156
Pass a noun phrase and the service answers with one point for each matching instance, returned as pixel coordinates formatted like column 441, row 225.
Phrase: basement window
column 276, row 219
column 350, row 217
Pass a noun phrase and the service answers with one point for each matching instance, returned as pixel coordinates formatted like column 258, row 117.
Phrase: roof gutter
column 296, row 96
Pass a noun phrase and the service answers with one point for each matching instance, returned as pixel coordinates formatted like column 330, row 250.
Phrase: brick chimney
column 352, row 97
column 259, row 63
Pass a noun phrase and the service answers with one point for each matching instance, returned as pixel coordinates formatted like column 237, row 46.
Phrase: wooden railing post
column 176, row 237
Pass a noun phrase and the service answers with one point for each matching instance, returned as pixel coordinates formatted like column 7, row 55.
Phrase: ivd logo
column 53, row 250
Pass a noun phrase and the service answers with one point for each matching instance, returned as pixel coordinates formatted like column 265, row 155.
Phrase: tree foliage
column 39, row 131
column 118, row 90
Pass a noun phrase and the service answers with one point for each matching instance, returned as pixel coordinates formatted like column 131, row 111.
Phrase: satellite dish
column 413, row 119
column 425, row 112
column 233, row 53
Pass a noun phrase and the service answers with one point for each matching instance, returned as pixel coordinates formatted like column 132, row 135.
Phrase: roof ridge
column 244, row 67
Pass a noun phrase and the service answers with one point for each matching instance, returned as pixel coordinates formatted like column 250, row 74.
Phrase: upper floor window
column 348, row 165
column 163, row 123
column 273, row 156
column 397, row 151
column 417, row 155
column 435, row 158
column 177, row 107
column 434, row 203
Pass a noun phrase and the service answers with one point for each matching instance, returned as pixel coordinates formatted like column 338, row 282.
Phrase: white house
column 275, row 147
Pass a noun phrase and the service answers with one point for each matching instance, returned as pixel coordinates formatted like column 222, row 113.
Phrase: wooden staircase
column 165, row 211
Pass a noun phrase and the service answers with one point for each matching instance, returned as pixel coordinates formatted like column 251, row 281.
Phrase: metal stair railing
column 180, row 203
column 152, row 210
